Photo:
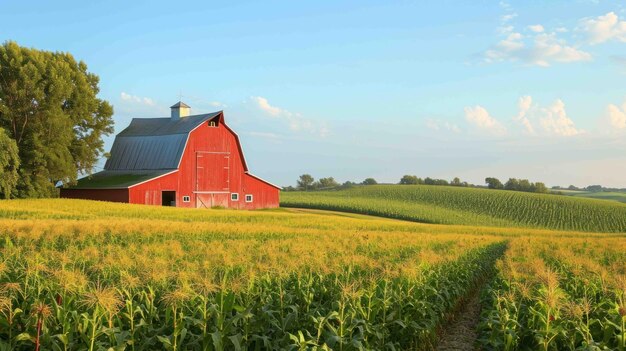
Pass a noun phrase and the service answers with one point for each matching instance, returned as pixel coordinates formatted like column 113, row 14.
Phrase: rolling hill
column 468, row 206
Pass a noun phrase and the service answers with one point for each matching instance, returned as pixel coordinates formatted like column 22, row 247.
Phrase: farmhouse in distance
column 183, row 161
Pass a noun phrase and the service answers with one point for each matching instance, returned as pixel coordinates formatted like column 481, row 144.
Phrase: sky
column 356, row 89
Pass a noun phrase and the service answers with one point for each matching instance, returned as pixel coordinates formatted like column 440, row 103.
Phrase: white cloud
column 508, row 17
column 604, row 28
column 265, row 106
column 554, row 120
column 137, row 99
column 524, row 105
column 537, row 28
column 479, row 117
column 295, row 120
column 539, row 48
column 442, row 125
column 547, row 48
column 617, row 116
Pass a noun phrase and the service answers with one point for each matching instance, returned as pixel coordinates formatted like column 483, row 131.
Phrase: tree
column 369, row 181
column 512, row 184
column 347, row 184
column 326, row 183
column 49, row 107
column 594, row 188
column 493, row 183
column 305, row 182
column 410, row 180
column 456, row 182
column 540, row 187
column 572, row 187
column 9, row 165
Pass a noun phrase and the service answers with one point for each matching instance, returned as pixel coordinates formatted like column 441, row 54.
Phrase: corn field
column 557, row 295
column 468, row 206
column 81, row 275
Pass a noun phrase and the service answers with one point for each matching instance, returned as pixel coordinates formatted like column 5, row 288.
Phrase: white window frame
column 234, row 196
column 186, row 198
column 250, row 197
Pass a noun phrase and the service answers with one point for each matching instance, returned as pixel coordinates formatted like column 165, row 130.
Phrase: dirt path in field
column 461, row 333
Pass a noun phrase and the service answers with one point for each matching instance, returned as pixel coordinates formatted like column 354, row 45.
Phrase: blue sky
column 359, row 89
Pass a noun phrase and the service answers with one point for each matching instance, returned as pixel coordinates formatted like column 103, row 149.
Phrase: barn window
column 234, row 197
column 248, row 198
column 186, row 199
column 212, row 123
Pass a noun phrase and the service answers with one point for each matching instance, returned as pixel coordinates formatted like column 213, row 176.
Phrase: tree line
column 591, row 188
column 517, row 185
column 306, row 182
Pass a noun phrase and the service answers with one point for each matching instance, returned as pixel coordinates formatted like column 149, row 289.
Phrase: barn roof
column 180, row 104
column 153, row 143
column 118, row 179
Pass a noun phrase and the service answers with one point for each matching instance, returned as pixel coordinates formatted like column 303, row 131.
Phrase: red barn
column 183, row 161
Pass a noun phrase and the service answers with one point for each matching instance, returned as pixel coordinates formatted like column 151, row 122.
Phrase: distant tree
column 9, row 165
column 329, row 182
column 410, row 180
column 347, row 184
column 289, row 188
column 49, row 105
column 369, row 181
column 572, row 187
column 456, row 182
column 525, row 185
column 431, row 181
column 594, row 188
column 494, row 183
column 512, row 184
column 305, row 182
column 540, row 187
column 441, row 182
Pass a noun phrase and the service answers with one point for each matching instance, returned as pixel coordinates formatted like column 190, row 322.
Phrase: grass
column 468, row 206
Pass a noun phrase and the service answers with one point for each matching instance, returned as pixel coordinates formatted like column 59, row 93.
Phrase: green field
column 600, row 195
column 468, row 206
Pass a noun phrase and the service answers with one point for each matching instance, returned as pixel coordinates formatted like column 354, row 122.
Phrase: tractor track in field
column 461, row 333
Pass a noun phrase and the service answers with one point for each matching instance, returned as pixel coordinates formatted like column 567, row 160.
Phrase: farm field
column 77, row 274
column 468, row 206
column 600, row 195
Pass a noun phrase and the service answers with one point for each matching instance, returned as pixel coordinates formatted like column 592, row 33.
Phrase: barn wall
column 218, row 142
column 149, row 193
column 112, row 195
column 263, row 194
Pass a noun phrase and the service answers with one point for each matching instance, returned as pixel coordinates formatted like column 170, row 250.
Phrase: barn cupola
column 179, row 110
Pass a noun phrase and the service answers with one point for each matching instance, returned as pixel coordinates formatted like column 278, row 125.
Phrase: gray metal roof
column 153, row 143
column 180, row 104
column 167, row 125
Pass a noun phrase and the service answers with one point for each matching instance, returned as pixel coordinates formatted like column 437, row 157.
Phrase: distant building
column 182, row 161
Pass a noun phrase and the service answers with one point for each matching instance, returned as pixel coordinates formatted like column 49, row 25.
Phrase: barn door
column 213, row 172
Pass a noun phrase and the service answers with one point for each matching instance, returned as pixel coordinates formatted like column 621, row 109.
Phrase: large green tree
column 305, row 181
column 49, row 106
column 9, row 165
